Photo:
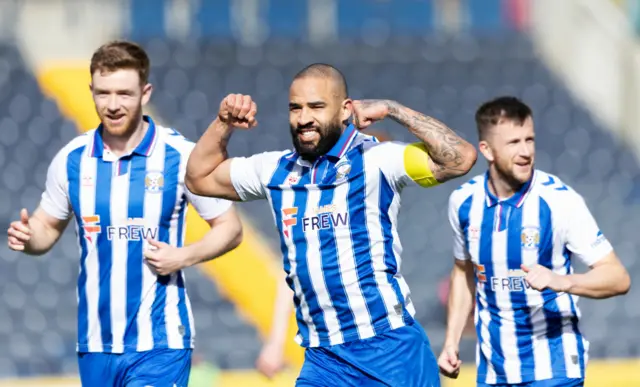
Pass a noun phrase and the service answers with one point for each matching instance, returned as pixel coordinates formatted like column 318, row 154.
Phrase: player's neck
column 501, row 187
column 125, row 144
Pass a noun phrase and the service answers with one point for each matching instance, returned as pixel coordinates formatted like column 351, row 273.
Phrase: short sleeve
column 246, row 176
column 460, row 251
column 55, row 199
column 405, row 164
column 585, row 240
column 208, row 208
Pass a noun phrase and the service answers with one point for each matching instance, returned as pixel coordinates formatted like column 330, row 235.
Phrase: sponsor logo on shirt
column 133, row 229
column 325, row 221
column 289, row 219
column 320, row 218
column 91, row 227
column 513, row 282
column 480, row 273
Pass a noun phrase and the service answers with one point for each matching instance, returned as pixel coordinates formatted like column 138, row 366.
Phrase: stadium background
column 574, row 61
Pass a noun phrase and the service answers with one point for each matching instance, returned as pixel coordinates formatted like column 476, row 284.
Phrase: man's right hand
column 239, row 111
column 449, row 362
column 19, row 232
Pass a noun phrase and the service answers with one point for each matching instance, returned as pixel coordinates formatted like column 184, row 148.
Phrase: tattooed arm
column 209, row 168
column 450, row 155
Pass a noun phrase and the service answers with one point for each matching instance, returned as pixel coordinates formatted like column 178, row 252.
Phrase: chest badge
column 154, row 182
column 530, row 238
column 342, row 171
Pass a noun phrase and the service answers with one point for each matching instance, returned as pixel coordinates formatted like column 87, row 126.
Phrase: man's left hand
column 540, row 278
column 163, row 258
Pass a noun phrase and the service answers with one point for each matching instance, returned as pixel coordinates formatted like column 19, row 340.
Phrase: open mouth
column 308, row 134
column 115, row 119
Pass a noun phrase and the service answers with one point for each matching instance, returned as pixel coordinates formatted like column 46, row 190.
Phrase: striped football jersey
column 525, row 334
column 337, row 223
column 117, row 203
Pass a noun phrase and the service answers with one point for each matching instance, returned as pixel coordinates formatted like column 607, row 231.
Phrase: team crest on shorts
column 154, row 182
column 530, row 238
column 342, row 171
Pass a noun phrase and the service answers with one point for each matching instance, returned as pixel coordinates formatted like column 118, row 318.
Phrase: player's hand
column 270, row 361
column 540, row 278
column 239, row 111
column 368, row 111
column 449, row 363
column 19, row 232
column 163, row 258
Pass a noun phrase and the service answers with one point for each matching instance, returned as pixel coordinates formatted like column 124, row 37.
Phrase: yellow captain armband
column 416, row 164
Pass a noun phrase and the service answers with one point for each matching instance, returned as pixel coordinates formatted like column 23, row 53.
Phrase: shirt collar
column 344, row 142
column 143, row 149
column 295, row 157
column 516, row 200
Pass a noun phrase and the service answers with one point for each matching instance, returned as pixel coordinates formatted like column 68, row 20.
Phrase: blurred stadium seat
column 444, row 76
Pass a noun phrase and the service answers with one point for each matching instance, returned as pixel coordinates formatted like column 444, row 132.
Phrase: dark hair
column 324, row 70
column 119, row 55
column 501, row 109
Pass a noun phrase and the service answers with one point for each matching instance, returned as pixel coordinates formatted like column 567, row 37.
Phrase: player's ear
column 146, row 93
column 346, row 109
column 486, row 150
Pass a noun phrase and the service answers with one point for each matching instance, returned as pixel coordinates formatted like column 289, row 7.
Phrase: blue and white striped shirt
column 337, row 220
column 117, row 204
column 524, row 334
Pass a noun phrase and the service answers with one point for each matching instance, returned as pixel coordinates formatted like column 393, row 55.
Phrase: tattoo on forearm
column 445, row 147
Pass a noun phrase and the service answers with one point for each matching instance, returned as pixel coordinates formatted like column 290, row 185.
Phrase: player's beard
column 126, row 127
column 507, row 175
column 329, row 135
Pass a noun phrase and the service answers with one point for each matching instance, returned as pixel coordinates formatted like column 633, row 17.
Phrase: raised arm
column 450, row 156
column 209, row 166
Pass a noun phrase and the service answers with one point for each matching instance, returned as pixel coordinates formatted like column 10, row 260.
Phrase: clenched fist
column 368, row 111
column 163, row 258
column 19, row 232
column 449, row 362
column 541, row 278
column 239, row 111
